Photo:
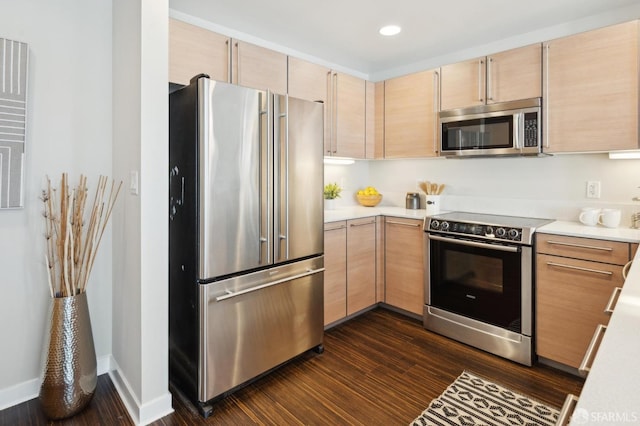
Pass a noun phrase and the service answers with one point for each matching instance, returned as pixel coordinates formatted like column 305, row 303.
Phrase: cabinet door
column 194, row 50
column 591, row 90
column 361, row 264
column 310, row 81
column 570, row 304
column 260, row 68
column 515, row 74
column 349, row 105
column 404, row 264
column 335, row 273
column 307, row 80
column 463, row 84
column 374, row 136
column 410, row 108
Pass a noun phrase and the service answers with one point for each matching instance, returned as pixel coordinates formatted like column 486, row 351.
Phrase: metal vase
column 70, row 375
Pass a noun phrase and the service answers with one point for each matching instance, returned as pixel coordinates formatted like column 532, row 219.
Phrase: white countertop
column 576, row 229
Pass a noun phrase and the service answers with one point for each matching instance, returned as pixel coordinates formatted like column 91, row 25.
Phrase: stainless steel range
column 479, row 281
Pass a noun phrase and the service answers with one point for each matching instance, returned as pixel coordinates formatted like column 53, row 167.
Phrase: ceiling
column 345, row 32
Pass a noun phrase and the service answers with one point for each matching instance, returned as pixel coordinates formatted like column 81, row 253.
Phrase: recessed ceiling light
column 390, row 30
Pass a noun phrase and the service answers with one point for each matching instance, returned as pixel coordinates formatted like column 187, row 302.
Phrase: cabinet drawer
column 571, row 296
column 613, row 252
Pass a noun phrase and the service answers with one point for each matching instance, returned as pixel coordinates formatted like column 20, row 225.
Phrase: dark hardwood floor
column 378, row 368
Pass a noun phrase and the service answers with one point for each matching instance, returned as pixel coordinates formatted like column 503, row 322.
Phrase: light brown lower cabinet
column 361, row 264
column 335, row 272
column 575, row 278
column 350, row 267
column 404, row 264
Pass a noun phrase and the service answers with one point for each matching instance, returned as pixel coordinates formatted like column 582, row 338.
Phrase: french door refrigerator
column 245, row 235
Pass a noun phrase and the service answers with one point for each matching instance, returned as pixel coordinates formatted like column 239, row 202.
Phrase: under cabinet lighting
column 390, row 30
column 624, row 155
column 343, row 161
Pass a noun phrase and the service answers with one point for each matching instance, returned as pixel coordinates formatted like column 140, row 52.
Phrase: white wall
column 553, row 187
column 69, row 129
column 140, row 241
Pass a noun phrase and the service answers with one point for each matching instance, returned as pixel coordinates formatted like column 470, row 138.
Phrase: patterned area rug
column 472, row 400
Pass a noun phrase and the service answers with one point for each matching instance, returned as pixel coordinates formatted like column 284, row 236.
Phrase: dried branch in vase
column 71, row 246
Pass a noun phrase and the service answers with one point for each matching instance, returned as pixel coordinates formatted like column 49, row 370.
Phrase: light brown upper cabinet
column 410, row 115
column 310, row 81
column 505, row 76
column 591, row 90
column 347, row 106
column 374, row 136
column 260, row 68
column 194, row 50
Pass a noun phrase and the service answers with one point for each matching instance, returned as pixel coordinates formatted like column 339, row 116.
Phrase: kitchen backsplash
column 550, row 187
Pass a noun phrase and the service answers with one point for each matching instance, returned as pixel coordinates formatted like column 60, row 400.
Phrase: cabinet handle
column 625, row 269
column 560, row 243
column 587, row 361
column 567, row 410
column 363, row 223
column 412, row 225
column 335, row 229
column 480, row 85
column 580, row 268
column 329, row 107
column 229, row 59
column 436, row 109
column 335, row 113
column 237, row 63
column 613, row 300
column 489, row 80
column 545, row 96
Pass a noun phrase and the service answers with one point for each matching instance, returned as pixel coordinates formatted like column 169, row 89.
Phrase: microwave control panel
column 531, row 129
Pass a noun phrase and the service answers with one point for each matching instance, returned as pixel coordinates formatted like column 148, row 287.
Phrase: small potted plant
column 331, row 192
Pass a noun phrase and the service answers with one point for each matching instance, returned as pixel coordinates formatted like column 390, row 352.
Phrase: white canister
column 610, row 218
column 589, row 216
column 432, row 203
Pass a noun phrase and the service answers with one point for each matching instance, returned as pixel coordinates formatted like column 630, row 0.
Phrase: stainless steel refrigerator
column 245, row 235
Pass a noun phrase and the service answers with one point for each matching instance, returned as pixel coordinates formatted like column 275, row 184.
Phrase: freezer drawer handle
column 269, row 284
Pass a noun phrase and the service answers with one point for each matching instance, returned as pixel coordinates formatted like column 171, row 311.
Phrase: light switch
column 133, row 182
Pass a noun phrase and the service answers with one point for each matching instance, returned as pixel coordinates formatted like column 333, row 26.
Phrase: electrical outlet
column 593, row 189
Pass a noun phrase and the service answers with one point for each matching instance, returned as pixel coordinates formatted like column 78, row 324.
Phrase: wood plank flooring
column 378, row 368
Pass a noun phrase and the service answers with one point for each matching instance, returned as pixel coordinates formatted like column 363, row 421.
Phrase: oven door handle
column 511, row 249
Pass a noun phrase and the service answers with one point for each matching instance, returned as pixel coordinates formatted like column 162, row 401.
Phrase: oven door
column 478, row 280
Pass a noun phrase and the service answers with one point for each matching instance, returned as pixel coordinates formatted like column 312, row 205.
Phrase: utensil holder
column 70, row 375
column 432, row 204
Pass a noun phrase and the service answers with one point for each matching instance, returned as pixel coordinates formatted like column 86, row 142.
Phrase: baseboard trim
column 28, row 390
column 139, row 413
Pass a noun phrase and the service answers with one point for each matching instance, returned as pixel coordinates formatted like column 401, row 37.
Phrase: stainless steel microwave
column 508, row 128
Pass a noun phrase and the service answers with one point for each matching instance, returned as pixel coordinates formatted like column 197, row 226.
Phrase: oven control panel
column 476, row 229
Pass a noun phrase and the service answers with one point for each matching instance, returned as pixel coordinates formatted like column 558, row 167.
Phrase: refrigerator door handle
column 281, row 136
column 229, row 294
column 266, row 170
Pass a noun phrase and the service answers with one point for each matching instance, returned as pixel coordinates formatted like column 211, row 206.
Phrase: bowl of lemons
column 369, row 197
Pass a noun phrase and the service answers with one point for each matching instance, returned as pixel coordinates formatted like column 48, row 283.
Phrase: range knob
column 444, row 226
column 489, row 232
column 501, row 232
column 514, row 234
column 434, row 224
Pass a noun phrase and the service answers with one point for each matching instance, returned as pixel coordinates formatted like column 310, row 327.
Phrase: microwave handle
column 518, row 130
